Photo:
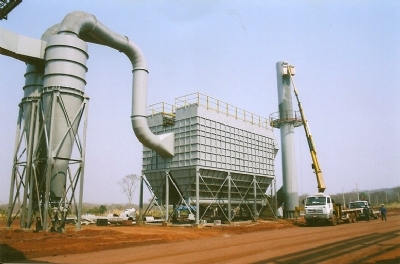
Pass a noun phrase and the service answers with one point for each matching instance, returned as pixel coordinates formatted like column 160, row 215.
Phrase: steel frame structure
column 6, row 6
column 153, row 201
column 33, row 164
column 254, row 205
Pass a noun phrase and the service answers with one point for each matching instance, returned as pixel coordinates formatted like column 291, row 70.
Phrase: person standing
column 383, row 212
column 366, row 212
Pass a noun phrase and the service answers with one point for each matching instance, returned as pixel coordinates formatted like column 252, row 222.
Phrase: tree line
column 375, row 197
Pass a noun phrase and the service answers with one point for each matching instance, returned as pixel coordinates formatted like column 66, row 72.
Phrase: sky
column 347, row 59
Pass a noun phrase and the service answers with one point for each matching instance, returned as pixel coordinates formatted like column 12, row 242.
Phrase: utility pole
column 358, row 195
column 344, row 201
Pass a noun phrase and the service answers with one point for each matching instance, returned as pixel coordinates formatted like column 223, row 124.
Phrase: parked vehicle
column 360, row 205
column 321, row 208
column 129, row 214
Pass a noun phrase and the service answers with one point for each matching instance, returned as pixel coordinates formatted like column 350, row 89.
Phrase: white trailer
column 127, row 215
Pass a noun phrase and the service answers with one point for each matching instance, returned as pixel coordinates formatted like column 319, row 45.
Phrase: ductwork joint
column 140, row 69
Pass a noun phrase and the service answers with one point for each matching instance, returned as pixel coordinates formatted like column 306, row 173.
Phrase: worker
column 383, row 212
column 38, row 224
column 366, row 212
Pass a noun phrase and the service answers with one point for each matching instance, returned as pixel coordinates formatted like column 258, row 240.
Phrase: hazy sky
column 347, row 58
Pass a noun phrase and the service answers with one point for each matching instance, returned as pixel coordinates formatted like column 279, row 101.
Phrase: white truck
column 321, row 208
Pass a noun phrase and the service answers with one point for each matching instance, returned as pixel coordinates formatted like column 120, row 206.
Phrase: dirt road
column 364, row 242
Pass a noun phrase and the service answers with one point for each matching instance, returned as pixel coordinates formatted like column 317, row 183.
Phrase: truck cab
column 319, row 208
column 358, row 204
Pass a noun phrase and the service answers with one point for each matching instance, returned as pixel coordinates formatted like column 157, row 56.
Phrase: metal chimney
column 287, row 120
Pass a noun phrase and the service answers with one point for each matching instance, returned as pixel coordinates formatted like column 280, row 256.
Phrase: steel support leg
column 255, row 197
column 141, row 200
column 229, row 198
column 166, row 196
column 197, row 196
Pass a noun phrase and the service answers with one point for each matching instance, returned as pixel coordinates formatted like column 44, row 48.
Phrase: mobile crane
column 310, row 141
column 321, row 207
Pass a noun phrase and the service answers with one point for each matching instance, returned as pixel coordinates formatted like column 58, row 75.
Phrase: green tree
column 97, row 210
column 93, row 210
column 102, row 209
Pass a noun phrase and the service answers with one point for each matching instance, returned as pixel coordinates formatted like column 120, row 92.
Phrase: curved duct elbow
column 86, row 27
column 163, row 144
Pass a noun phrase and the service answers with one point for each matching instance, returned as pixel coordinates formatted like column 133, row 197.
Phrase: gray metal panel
column 210, row 143
column 21, row 47
column 157, row 183
column 186, row 178
column 218, row 144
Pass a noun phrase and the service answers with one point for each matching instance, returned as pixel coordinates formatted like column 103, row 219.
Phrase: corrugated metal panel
column 216, row 143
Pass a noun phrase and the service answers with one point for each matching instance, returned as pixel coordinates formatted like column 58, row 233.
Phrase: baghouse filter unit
column 224, row 157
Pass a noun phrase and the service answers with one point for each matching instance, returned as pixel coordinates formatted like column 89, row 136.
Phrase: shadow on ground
column 9, row 254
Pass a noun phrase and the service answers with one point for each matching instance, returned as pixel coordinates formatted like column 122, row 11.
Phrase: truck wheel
column 309, row 222
column 334, row 220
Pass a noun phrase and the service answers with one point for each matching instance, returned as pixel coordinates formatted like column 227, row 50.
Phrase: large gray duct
column 87, row 27
column 65, row 69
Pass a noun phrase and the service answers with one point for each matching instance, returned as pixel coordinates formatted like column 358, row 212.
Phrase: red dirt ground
column 19, row 245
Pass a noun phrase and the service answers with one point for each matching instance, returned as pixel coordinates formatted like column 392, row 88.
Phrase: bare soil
column 17, row 244
column 20, row 245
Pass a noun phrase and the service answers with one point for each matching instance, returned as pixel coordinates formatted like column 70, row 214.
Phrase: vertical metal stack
column 286, row 120
column 224, row 158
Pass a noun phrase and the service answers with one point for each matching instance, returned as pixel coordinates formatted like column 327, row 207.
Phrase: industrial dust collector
column 49, row 153
column 51, row 110
column 223, row 162
column 62, row 101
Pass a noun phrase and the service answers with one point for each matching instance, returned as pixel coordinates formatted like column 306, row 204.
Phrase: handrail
column 220, row 107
